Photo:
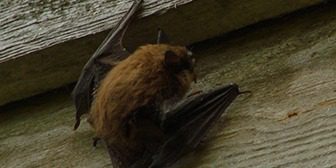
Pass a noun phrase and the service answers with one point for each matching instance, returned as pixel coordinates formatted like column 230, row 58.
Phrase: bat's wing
column 189, row 122
column 106, row 56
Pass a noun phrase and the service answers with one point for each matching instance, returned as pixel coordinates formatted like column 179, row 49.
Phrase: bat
column 119, row 91
column 126, row 110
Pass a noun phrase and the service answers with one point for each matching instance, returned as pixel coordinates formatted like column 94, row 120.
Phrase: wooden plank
column 49, row 41
column 35, row 25
column 288, row 121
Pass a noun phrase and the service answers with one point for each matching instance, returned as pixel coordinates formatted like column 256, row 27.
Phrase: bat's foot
column 95, row 141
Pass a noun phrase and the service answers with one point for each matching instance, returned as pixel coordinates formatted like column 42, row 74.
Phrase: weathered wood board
column 288, row 121
column 44, row 44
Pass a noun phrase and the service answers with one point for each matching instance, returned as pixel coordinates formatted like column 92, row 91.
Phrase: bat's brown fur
column 141, row 80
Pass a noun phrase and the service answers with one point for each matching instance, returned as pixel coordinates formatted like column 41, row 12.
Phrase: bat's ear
column 171, row 59
column 162, row 37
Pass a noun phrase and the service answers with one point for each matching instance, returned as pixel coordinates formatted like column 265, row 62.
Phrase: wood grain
column 44, row 44
column 29, row 26
column 288, row 64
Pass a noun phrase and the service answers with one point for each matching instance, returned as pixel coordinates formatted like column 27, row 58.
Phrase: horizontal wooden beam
column 43, row 45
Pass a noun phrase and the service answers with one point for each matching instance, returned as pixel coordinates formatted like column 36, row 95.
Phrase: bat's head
column 176, row 61
column 179, row 61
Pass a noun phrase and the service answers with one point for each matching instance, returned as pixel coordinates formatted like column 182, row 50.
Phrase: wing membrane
column 189, row 122
column 105, row 57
